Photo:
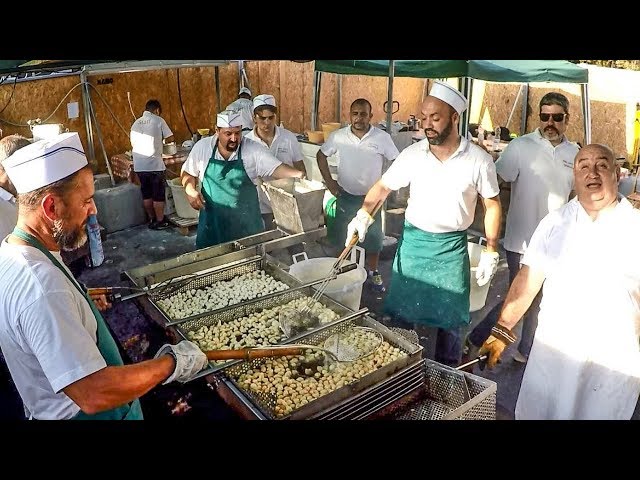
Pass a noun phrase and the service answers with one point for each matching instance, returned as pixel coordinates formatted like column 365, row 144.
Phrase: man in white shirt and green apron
column 228, row 166
column 63, row 360
column 584, row 363
column 430, row 283
column 361, row 150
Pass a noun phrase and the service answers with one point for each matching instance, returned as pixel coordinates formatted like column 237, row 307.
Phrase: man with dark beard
column 430, row 282
column 56, row 344
column 539, row 166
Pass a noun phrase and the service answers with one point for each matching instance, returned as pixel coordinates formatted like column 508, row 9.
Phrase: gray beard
column 68, row 240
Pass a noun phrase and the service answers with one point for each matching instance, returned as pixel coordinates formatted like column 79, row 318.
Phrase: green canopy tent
column 522, row 71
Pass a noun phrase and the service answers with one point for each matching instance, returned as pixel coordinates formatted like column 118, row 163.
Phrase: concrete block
column 102, row 181
column 120, row 207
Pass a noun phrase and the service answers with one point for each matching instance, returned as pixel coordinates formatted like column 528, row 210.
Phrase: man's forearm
column 376, row 195
column 323, row 166
column 523, row 290
column 492, row 220
column 188, row 179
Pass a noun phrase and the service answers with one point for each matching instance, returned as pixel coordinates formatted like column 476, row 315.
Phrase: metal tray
column 223, row 273
column 255, row 306
column 442, row 396
column 262, row 405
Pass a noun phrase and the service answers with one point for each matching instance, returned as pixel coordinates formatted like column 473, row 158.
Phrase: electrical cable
column 182, row 105
column 12, row 92
column 109, row 109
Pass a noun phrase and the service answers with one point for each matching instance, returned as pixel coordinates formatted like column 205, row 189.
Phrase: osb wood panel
column 608, row 126
column 327, row 105
column 497, row 103
column 307, row 95
column 292, row 99
column 38, row 99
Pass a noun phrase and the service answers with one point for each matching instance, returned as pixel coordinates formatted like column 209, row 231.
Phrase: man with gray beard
column 61, row 356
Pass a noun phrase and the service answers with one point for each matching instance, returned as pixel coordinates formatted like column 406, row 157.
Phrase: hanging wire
column 182, row 105
column 12, row 92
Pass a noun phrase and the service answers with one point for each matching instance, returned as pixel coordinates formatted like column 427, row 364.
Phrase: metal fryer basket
column 255, row 306
column 266, row 402
column 443, row 397
column 224, row 273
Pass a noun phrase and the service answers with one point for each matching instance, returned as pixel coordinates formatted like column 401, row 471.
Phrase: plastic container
column 96, row 256
column 183, row 209
column 327, row 128
column 478, row 294
column 346, row 288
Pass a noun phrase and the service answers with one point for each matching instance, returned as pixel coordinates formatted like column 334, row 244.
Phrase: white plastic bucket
column 346, row 288
column 183, row 209
column 478, row 294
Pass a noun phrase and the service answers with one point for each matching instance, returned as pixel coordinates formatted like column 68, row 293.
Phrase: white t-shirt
column 257, row 160
column 8, row 213
column 359, row 160
column 443, row 195
column 541, row 177
column 147, row 133
column 47, row 331
column 286, row 148
column 585, row 358
column 245, row 107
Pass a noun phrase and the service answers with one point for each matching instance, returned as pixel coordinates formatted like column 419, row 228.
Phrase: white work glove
column 189, row 360
column 487, row 267
column 360, row 224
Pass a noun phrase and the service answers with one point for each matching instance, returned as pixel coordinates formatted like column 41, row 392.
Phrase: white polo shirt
column 147, row 133
column 359, row 160
column 585, row 358
column 443, row 195
column 257, row 160
column 245, row 107
column 541, row 177
column 47, row 331
column 284, row 147
column 8, row 213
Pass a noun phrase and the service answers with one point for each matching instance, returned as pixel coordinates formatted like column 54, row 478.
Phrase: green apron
column 231, row 209
column 347, row 206
column 430, row 282
column 106, row 343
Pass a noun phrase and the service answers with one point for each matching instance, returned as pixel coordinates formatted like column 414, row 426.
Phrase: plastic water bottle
column 481, row 136
column 96, row 253
column 496, row 140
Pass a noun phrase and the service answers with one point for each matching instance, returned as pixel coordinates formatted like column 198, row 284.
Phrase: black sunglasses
column 557, row 117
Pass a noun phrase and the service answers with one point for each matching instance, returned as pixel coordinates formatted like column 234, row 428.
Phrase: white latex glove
column 189, row 360
column 360, row 224
column 487, row 267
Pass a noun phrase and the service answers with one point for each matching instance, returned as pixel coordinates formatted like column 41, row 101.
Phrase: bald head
column 596, row 177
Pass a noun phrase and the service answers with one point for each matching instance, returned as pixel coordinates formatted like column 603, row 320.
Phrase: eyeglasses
column 557, row 117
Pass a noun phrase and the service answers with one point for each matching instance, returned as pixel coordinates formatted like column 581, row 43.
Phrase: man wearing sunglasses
column 539, row 166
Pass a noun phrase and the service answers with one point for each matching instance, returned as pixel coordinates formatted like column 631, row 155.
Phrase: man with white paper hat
column 244, row 105
column 282, row 143
column 227, row 167
column 430, row 283
column 58, row 348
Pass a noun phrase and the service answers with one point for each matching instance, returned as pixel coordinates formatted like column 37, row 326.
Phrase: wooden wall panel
column 292, row 85
column 292, row 99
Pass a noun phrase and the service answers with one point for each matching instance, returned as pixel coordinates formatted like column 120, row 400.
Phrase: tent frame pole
column 586, row 113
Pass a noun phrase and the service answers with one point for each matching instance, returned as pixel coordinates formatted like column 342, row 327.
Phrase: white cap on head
column 261, row 100
column 45, row 162
column 229, row 119
column 449, row 95
column 244, row 90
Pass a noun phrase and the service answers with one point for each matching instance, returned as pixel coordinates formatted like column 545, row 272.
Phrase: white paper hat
column 450, row 95
column 261, row 100
column 45, row 161
column 229, row 119
column 244, row 90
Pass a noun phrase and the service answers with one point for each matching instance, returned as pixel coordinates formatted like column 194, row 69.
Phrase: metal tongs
column 292, row 316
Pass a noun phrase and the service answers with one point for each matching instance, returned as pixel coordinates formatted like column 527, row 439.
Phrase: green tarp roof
column 523, row 71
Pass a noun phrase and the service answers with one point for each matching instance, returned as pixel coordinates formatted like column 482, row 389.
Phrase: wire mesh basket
column 449, row 394
column 296, row 204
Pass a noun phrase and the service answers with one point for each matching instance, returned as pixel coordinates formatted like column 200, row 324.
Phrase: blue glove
column 189, row 360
